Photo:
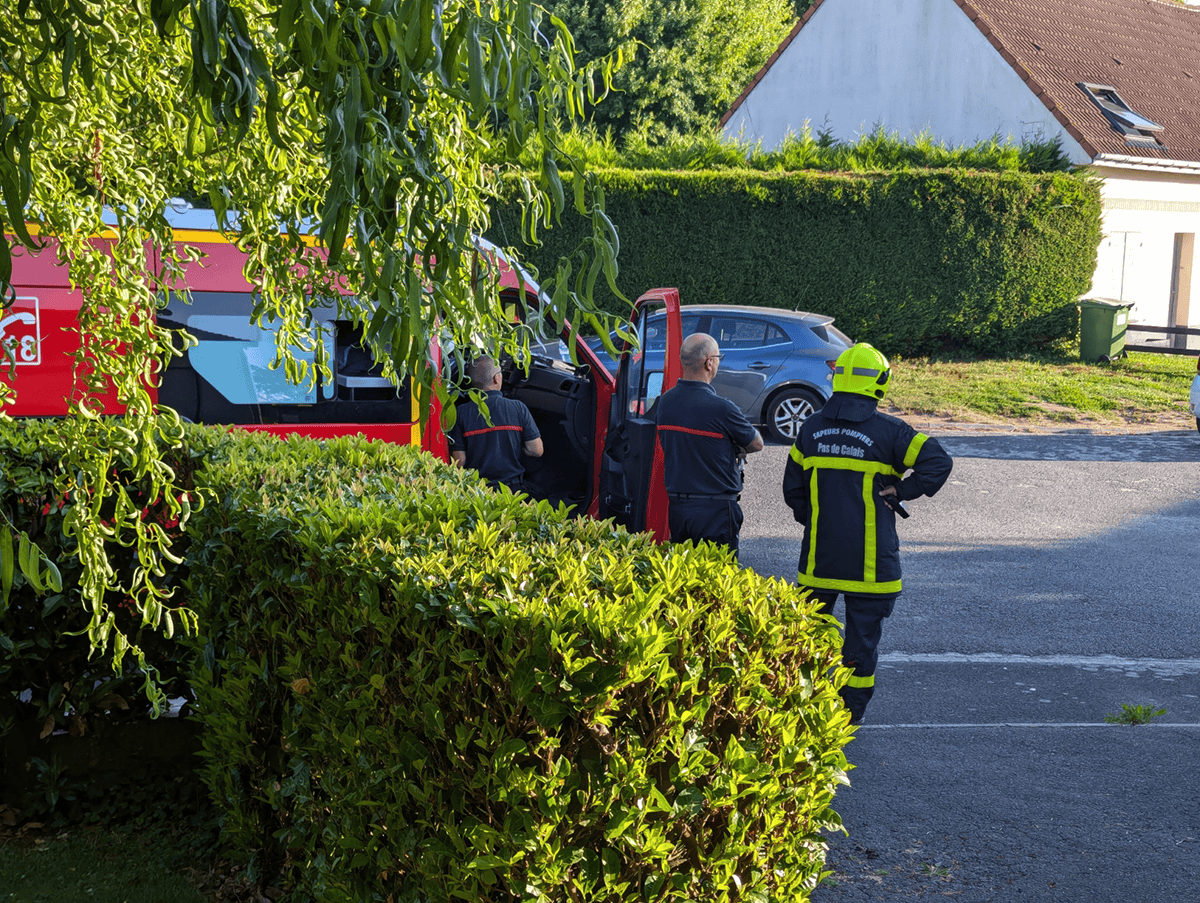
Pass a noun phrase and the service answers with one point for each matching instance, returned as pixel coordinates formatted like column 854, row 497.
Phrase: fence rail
column 1162, row 339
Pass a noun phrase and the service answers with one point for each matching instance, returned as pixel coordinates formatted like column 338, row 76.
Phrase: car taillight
column 833, row 364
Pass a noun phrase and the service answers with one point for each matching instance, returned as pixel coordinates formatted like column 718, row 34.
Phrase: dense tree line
column 690, row 60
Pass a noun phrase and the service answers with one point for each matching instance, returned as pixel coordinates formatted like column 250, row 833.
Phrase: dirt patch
column 1065, row 421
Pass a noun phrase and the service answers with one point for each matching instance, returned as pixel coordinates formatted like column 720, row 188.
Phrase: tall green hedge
column 915, row 262
column 416, row 689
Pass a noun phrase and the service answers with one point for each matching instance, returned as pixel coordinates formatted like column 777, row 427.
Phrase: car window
column 656, row 335
column 738, row 332
column 776, row 336
column 839, row 335
column 830, row 335
column 656, row 331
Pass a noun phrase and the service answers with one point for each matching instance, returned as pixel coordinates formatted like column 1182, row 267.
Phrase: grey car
column 777, row 365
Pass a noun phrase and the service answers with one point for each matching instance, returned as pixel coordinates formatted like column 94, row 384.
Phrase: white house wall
column 909, row 66
column 1143, row 211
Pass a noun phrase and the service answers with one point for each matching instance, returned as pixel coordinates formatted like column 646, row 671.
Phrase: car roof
column 809, row 319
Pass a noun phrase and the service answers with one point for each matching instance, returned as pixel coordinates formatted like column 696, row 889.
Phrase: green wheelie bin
column 1102, row 326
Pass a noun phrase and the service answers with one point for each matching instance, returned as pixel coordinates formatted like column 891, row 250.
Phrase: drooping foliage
column 371, row 133
column 50, row 678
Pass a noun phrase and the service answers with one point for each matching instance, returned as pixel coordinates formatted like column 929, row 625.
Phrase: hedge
column 416, row 689
column 915, row 262
column 411, row 687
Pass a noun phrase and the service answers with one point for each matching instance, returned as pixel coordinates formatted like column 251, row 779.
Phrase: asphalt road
column 1054, row 581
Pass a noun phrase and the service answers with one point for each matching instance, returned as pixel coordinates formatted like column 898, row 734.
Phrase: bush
column 872, row 152
column 413, row 688
column 913, row 261
column 49, row 676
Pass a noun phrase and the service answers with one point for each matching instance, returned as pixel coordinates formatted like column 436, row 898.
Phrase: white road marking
column 1163, row 667
column 1030, row 724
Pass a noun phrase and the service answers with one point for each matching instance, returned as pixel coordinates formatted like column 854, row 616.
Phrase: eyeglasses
column 718, row 356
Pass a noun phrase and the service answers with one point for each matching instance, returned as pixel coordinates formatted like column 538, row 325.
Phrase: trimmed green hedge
column 416, row 689
column 412, row 687
column 915, row 262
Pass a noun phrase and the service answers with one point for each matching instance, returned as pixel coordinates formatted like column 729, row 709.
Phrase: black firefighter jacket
column 845, row 454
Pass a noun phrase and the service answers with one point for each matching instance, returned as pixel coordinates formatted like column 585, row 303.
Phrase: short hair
column 482, row 371
column 695, row 350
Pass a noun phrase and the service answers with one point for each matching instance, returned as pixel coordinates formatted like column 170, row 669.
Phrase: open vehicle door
column 632, row 491
column 602, row 457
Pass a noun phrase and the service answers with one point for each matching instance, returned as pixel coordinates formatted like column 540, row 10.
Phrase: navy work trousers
column 715, row 520
column 860, row 646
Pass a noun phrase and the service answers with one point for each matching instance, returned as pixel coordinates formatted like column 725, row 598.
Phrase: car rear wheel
column 787, row 411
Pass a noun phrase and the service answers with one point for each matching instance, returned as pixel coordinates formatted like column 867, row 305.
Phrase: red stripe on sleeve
column 491, row 429
column 691, row 432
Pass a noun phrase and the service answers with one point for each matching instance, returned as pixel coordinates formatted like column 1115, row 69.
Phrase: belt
column 719, row 497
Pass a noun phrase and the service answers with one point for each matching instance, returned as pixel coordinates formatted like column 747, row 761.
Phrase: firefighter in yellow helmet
column 846, row 479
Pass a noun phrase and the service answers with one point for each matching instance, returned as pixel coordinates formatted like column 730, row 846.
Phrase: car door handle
column 760, row 365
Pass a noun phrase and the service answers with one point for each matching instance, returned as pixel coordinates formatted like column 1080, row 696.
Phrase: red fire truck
column 601, row 455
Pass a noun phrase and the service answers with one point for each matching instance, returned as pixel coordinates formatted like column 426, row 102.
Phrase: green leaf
column 53, row 603
column 620, row 823
column 7, row 563
column 487, row 862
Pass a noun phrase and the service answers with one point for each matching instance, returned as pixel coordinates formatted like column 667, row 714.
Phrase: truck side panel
column 41, row 333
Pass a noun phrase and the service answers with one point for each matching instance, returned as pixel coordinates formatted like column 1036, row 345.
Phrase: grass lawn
column 93, row 865
column 1053, row 390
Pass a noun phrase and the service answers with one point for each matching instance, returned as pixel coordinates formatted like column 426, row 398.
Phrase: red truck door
column 631, row 468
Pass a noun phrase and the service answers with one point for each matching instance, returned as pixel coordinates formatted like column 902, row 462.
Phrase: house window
column 1136, row 128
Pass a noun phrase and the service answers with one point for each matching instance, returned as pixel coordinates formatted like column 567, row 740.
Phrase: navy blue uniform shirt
column 701, row 434
column 495, row 451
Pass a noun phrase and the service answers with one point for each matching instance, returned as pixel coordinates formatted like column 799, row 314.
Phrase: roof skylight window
column 1136, row 128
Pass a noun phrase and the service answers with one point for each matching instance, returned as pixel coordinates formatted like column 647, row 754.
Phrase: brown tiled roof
column 1148, row 50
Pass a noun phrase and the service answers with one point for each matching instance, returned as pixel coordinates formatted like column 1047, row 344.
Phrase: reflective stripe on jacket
column 832, row 481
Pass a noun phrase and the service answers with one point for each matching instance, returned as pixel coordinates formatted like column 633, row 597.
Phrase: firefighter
column 494, row 449
column 845, row 482
column 704, row 437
